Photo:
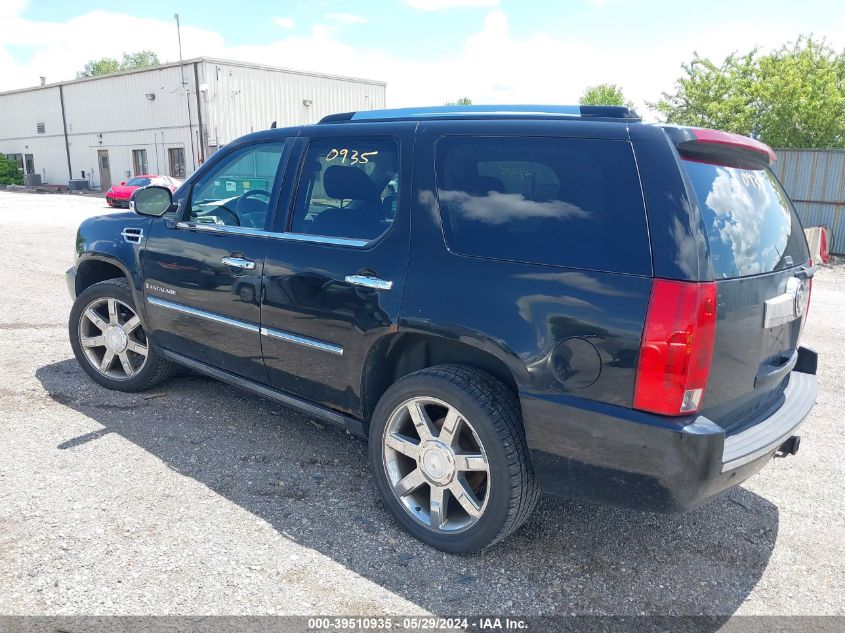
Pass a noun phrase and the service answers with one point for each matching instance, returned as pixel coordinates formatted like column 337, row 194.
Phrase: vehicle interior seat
column 361, row 214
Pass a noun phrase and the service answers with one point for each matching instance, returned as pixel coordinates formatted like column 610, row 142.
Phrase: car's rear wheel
column 109, row 341
column 450, row 460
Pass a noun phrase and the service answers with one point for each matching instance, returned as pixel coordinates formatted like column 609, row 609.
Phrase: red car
column 119, row 195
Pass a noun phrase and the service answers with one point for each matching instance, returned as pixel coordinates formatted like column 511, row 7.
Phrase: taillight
column 677, row 347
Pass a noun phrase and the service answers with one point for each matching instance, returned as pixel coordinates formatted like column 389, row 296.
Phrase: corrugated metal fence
column 815, row 180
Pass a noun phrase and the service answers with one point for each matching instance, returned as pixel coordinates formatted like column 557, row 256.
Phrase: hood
column 122, row 191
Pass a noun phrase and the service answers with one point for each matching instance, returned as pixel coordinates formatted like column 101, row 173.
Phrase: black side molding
column 808, row 361
column 353, row 425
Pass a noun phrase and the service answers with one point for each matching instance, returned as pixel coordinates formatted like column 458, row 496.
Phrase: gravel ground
column 197, row 498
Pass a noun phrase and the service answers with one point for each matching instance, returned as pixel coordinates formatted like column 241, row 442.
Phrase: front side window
column 558, row 201
column 348, row 188
column 237, row 191
column 751, row 226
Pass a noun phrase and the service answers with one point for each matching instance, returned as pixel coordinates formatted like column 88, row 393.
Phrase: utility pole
column 187, row 94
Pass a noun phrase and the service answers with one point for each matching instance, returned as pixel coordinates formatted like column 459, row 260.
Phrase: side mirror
column 153, row 200
column 122, row 182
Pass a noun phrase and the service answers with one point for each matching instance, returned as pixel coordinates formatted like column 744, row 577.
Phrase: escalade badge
column 155, row 288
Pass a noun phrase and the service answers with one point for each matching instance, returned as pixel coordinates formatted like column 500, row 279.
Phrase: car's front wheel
column 450, row 459
column 109, row 341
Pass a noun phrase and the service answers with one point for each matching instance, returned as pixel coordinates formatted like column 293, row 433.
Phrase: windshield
column 751, row 225
column 137, row 182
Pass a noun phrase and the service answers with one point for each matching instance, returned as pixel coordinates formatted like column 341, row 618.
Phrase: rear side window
column 751, row 226
column 559, row 201
column 348, row 188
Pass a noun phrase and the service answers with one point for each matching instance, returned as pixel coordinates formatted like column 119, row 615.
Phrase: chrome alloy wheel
column 436, row 464
column 112, row 338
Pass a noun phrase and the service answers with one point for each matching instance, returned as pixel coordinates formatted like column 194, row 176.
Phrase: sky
column 428, row 51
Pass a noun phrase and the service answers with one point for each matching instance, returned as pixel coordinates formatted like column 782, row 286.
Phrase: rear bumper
column 762, row 439
column 612, row 454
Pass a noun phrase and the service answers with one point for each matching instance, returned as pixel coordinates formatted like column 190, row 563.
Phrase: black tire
column 493, row 411
column 153, row 370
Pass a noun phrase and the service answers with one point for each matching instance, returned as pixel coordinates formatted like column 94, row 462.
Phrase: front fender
column 99, row 239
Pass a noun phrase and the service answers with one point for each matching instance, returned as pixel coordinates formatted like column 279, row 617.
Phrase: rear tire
column 109, row 341
column 450, row 459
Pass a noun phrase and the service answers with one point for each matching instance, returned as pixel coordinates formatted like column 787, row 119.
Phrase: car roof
column 514, row 113
column 610, row 113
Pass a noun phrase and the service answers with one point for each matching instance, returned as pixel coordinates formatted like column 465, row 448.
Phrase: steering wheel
column 252, row 211
column 244, row 211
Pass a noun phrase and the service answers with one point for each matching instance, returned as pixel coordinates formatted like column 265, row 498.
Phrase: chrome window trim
column 211, row 316
column 293, row 237
column 221, row 228
column 321, row 239
column 301, row 340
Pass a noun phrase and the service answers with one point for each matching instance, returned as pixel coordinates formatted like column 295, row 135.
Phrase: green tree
column 791, row 97
column 108, row 65
column 461, row 101
column 604, row 94
column 10, row 174
column 141, row 59
column 97, row 67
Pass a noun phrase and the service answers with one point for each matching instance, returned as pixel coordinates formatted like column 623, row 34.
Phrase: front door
column 202, row 270
column 105, row 170
column 335, row 267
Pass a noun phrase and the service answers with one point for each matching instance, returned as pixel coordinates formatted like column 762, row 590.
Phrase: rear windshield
column 750, row 222
column 560, row 201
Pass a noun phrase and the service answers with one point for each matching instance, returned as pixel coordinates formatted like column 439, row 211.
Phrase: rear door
column 335, row 267
column 759, row 257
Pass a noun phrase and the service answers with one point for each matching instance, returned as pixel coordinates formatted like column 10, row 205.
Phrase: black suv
column 498, row 297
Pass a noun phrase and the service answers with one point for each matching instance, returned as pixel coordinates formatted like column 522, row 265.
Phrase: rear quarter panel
column 522, row 312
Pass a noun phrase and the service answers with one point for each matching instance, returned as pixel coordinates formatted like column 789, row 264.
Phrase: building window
column 139, row 161
column 176, row 156
column 17, row 159
column 40, row 127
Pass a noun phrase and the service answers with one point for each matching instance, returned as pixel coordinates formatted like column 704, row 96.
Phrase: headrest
column 348, row 183
column 486, row 184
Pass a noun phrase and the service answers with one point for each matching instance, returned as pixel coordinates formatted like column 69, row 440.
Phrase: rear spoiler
column 720, row 147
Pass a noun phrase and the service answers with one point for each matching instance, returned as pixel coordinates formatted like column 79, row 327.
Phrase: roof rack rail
column 486, row 111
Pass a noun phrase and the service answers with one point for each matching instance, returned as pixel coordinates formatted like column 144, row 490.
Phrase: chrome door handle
column 368, row 282
column 239, row 262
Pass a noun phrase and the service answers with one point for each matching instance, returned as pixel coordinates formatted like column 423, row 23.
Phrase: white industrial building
column 162, row 120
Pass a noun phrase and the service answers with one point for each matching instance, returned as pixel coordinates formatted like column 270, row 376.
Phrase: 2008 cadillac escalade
column 500, row 298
